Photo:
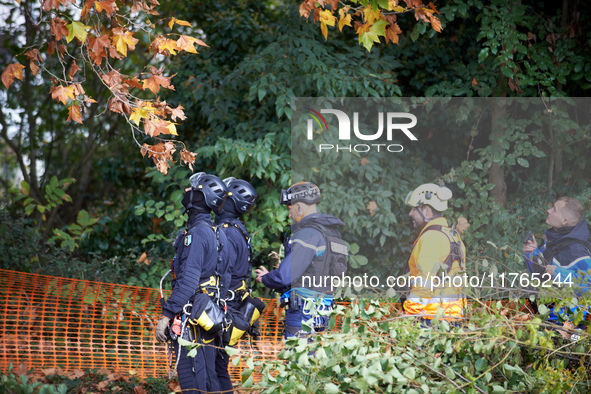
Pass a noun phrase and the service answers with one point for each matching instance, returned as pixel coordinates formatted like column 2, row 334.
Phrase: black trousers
column 221, row 369
column 197, row 374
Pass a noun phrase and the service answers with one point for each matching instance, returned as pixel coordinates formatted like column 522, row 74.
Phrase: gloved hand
column 161, row 327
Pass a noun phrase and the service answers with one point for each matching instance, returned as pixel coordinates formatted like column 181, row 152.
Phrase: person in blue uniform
column 565, row 254
column 199, row 266
column 301, row 276
column 240, row 200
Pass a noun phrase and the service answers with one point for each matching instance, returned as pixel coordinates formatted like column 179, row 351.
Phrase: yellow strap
column 212, row 281
column 242, row 287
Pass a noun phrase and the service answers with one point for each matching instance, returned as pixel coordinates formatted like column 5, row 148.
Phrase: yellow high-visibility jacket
column 427, row 260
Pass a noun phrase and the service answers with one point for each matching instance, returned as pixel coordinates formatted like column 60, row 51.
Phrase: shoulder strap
column 247, row 239
column 455, row 244
column 219, row 247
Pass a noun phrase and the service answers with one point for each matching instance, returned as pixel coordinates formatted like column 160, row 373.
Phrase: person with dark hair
column 439, row 252
column 314, row 253
column 565, row 253
column 199, row 271
column 240, row 201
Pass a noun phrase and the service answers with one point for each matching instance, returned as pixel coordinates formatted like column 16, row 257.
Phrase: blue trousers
column 294, row 319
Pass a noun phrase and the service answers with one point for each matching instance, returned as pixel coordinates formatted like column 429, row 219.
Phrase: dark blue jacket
column 307, row 243
column 237, row 250
column 195, row 262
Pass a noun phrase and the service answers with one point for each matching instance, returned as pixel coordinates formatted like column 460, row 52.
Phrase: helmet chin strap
column 298, row 218
column 423, row 216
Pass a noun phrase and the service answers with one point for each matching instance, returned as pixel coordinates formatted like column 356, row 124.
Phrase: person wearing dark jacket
column 240, row 200
column 198, row 266
column 565, row 255
column 302, row 273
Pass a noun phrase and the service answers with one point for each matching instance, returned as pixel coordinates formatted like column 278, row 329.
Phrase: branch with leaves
column 371, row 19
column 99, row 40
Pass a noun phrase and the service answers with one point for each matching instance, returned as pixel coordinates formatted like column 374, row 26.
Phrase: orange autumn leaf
column 51, row 48
column 134, row 83
column 178, row 113
column 188, row 157
column 34, row 56
column 51, row 4
column 99, row 44
column 462, row 225
column 188, row 40
column 156, row 80
column 14, row 70
column 435, row 23
column 74, row 114
column 60, row 93
column 143, row 259
column 185, row 43
column 73, row 70
column 372, row 208
column 108, row 6
column 86, row 9
column 58, row 28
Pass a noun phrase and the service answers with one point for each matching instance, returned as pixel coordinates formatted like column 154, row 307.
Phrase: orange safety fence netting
column 49, row 322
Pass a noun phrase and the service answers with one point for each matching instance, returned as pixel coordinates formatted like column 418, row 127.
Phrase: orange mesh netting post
column 74, row 324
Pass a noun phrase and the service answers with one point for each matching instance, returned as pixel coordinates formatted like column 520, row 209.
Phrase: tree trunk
column 496, row 175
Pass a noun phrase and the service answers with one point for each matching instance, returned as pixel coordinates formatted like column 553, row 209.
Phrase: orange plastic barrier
column 77, row 325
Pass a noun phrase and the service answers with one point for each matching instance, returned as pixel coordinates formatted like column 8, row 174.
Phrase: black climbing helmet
column 242, row 193
column 305, row 192
column 213, row 188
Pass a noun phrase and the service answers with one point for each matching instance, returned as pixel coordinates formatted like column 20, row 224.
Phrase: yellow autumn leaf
column 174, row 20
column 122, row 39
column 327, row 17
column 344, row 20
column 78, row 30
column 370, row 15
column 137, row 115
column 398, row 9
column 168, row 45
column 172, row 128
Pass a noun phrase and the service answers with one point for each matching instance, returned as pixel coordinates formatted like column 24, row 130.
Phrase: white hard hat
column 429, row 194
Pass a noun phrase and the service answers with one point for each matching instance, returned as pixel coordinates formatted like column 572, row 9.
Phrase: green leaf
column 78, row 30
column 483, row 55
column 331, row 388
column 481, row 364
column 29, row 209
column 523, row 162
column 231, row 351
column 507, row 71
column 25, row 187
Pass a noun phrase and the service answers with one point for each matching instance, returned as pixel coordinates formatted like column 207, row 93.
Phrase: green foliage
column 377, row 350
column 20, row 385
column 91, row 381
column 76, row 231
column 55, row 196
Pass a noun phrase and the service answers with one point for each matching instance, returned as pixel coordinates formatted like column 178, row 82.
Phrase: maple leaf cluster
column 162, row 153
column 97, row 41
column 370, row 24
